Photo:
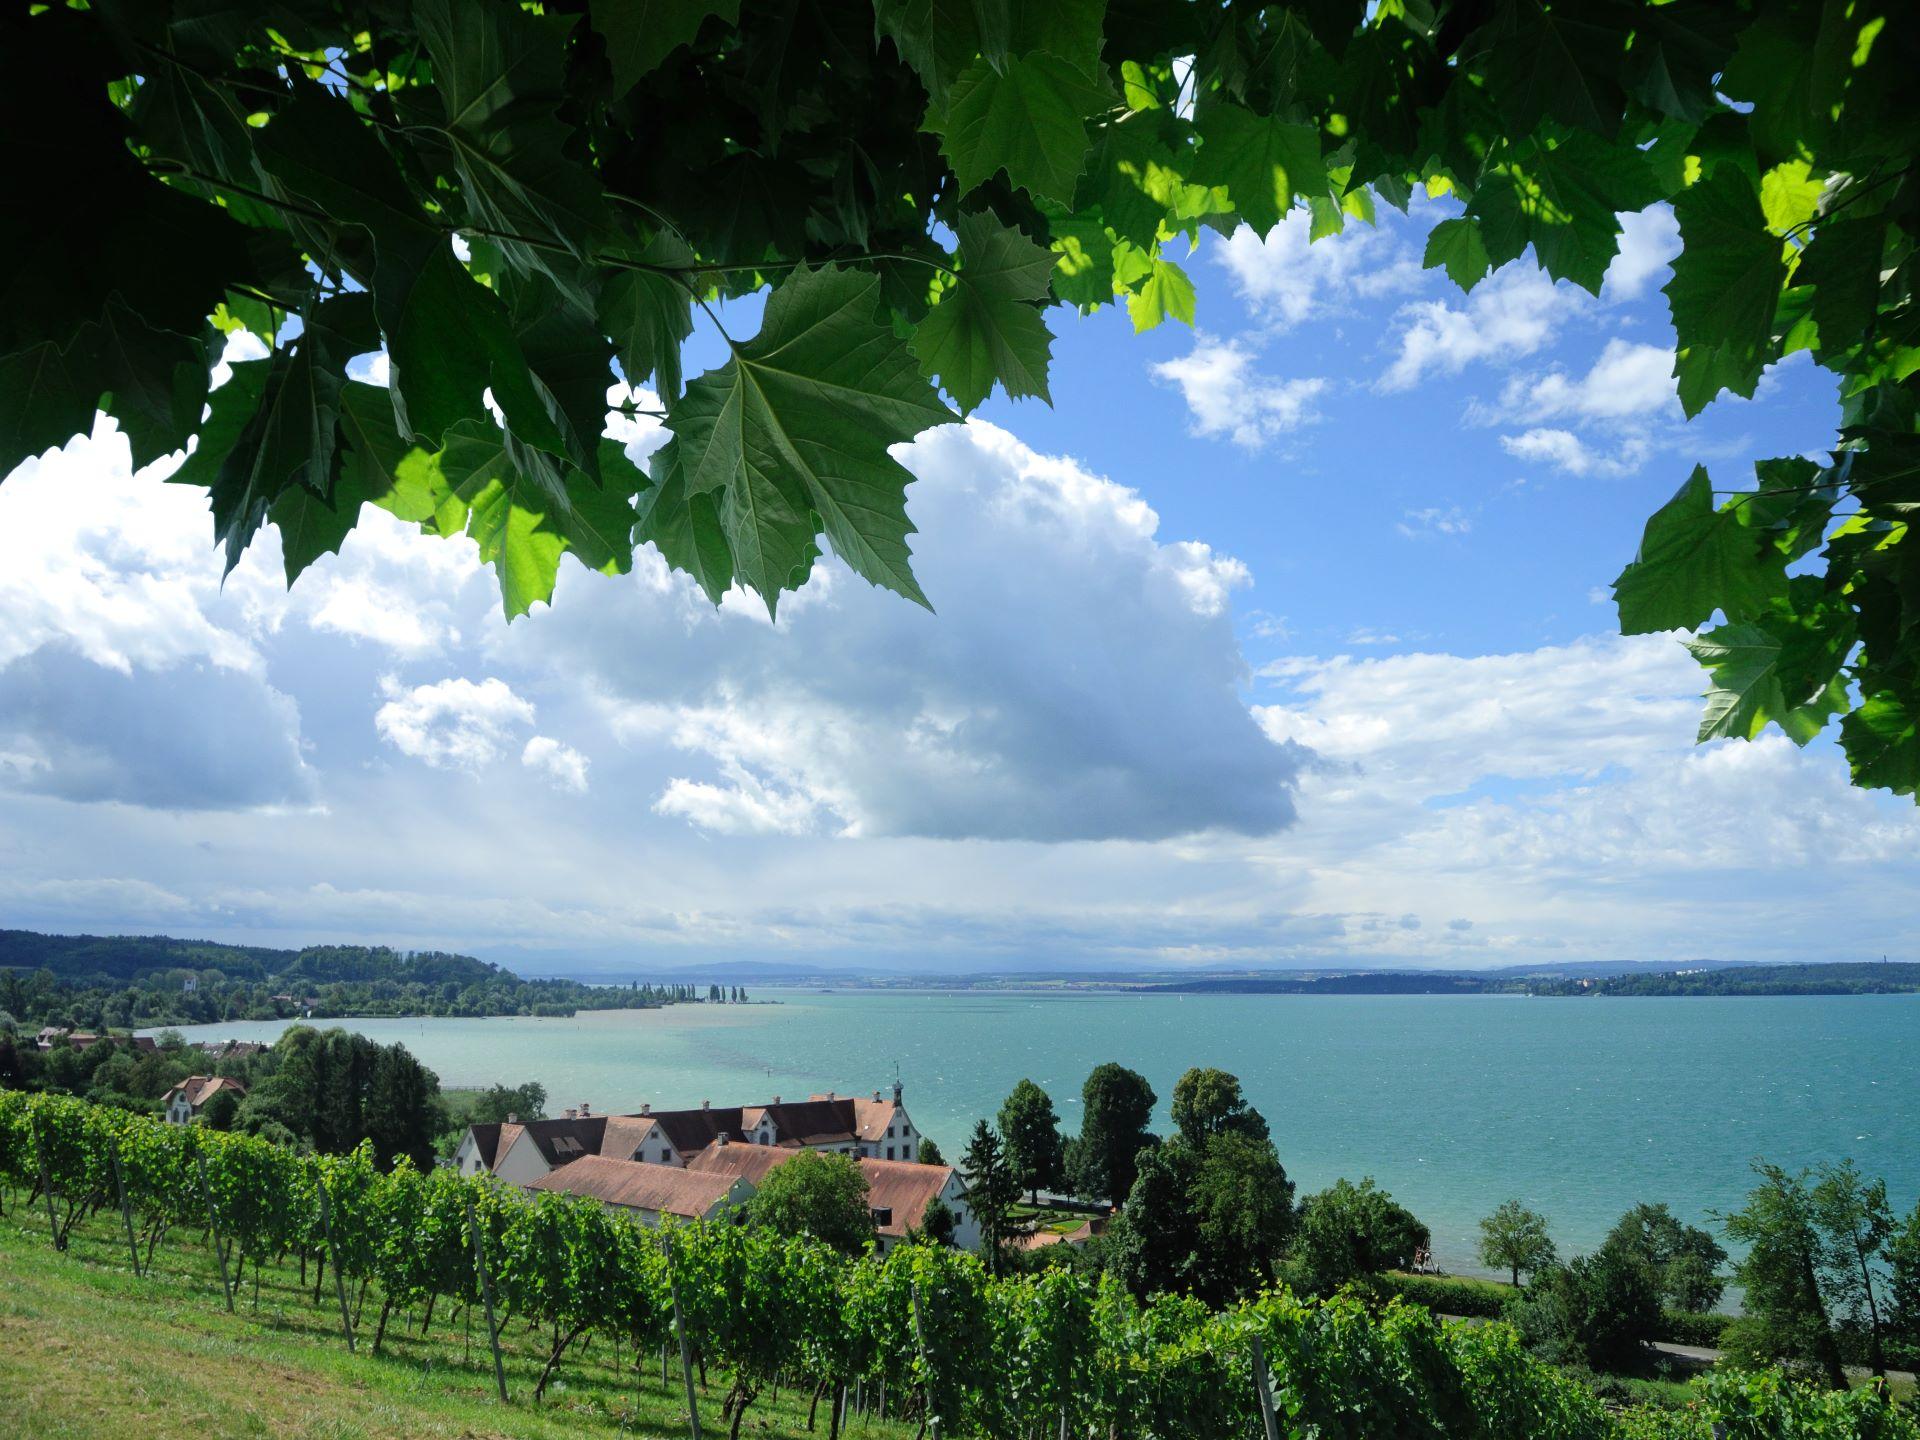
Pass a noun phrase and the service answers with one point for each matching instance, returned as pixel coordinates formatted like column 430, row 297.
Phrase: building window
column 889, row 1152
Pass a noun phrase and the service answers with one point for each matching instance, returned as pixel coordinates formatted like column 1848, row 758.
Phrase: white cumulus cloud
column 1514, row 312
column 451, row 724
column 565, row 766
column 1227, row 396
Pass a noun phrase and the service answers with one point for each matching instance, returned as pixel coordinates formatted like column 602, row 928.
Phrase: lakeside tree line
column 1829, row 1274
column 966, row 1353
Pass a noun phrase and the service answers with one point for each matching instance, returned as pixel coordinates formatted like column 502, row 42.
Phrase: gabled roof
column 486, row 1140
column 198, row 1089
column 748, row 1162
column 562, row 1141
column 634, row 1185
column 904, row 1187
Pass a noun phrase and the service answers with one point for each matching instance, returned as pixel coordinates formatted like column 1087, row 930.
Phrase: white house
column 185, row 1100
column 876, row 1129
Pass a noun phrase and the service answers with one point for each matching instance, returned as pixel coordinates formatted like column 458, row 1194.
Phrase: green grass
column 87, row 1349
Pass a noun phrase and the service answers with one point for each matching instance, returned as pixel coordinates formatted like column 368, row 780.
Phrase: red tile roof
column 633, row 1185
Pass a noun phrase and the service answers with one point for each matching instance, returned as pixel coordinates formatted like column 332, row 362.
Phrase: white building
column 185, row 1100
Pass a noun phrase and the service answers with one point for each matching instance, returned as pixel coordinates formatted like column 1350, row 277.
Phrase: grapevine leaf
column 1725, row 288
column 796, row 426
column 1263, row 161
column 1695, row 559
column 986, row 326
column 642, row 33
column 1029, row 121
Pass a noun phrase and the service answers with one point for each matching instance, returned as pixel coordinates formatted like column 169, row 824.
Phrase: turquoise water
column 1579, row 1107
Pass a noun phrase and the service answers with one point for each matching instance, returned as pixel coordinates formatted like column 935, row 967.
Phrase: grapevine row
column 1027, row 1356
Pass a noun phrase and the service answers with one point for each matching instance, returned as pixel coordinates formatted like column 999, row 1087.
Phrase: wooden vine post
column 926, row 1363
column 126, row 1215
column 333, row 1253
column 486, row 1294
column 46, row 1183
column 686, row 1352
column 1263, row 1390
column 213, row 1225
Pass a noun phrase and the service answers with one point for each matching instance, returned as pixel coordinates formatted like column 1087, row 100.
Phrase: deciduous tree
column 1031, row 1132
column 1514, row 1238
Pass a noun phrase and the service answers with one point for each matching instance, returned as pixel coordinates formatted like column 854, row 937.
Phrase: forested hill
column 127, row 957
column 134, row 957
column 1883, row 977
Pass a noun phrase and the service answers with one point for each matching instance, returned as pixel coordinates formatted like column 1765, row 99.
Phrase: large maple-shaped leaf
column 1744, row 661
column 1562, row 61
column 642, row 33
column 1725, row 288
column 792, row 434
column 986, row 327
column 649, row 315
column 1695, row 559
column 1263, row 161
column 1028, row 119
column 1457, row 245
column 1562, row 199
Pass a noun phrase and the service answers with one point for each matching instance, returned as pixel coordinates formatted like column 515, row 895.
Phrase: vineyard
column 922, row 1339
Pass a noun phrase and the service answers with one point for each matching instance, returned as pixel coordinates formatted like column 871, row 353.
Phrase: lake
column 1578, row 1107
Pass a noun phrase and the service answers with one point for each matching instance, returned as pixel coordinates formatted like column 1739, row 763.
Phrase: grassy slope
column 89, row 1350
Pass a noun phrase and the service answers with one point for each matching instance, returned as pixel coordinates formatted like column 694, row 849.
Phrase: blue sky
column 1279, row 641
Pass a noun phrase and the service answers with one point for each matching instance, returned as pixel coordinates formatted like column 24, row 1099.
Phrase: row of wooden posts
column 1262, row 1377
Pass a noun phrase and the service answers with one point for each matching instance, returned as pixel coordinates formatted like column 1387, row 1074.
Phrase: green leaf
column 792, row 435
column 1069, row 29
column 1083, row 259
column 500, row 73
column 313, row 525
column 1562, row 62
column 1789, row 195
column 1695, row 559
column 1842, row 263
column 257, row 442
column 936, row 38
column 1563, row 199
column 1882, row 740
column 1028, row 121
column 1677, row 51
column 1166, row 291
column 1456, row 245
column 685, row 527
column 1744, row 663
column 649, row 316
column 642, row 33
column 986, row 327
column 46, row 398
column 1725, row 288
column 1264, row 162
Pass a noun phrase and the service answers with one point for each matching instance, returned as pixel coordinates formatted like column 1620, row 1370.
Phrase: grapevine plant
column 1020, row 1356
column 520, row 205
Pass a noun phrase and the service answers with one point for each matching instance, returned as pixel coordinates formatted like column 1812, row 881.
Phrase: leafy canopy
column 522, row 207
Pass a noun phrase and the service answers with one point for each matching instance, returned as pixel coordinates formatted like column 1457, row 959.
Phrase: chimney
column 706, row 1104
column 776, row 1099
column 512, row 1119
column 896, row 1092
column 585, row 1113
column 646, row 1108
column 572, row 1114
column 721, row 1138
column 876, row 1097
